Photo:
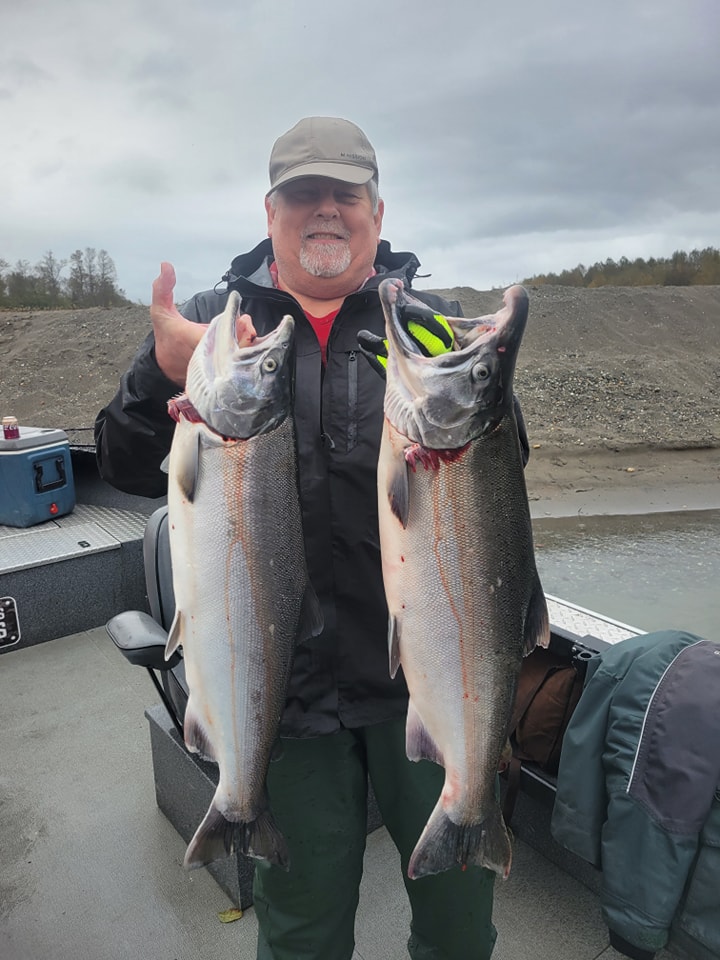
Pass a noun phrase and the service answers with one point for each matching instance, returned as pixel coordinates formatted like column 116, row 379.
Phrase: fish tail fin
column 214, row 839
column 219, row 837
column 263, row 840
column 444, row 844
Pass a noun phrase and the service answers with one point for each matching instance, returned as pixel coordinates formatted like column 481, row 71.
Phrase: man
column 345, row 718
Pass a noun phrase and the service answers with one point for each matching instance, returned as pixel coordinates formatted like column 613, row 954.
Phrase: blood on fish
column 181, row 407
column 451, row 788
column 431, row 459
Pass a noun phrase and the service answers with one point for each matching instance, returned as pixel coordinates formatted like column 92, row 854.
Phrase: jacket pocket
column 700, row 915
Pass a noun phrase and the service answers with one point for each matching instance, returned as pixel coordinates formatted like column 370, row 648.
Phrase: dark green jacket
column 639, row 791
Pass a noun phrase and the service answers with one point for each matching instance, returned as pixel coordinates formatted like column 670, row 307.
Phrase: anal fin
column 196, row 737
column 419, row 745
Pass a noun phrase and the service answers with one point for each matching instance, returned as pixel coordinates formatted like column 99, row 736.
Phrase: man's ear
column 270, row 210
column 379, row 217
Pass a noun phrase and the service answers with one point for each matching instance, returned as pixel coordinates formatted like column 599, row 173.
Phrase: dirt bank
column 619, row 386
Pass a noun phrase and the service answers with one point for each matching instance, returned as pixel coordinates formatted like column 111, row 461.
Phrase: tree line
column 680, row 270
column 90, row 280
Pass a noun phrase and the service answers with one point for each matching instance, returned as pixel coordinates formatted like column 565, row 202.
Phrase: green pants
column 318, row 791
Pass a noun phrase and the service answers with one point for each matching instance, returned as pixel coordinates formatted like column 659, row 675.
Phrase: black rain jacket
column 342, row 677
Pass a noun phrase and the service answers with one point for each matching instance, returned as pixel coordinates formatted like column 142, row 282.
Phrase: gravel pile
column 608, row 368
column 617, row 367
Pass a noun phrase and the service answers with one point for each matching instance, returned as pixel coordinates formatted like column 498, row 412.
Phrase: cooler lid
column 33, row 437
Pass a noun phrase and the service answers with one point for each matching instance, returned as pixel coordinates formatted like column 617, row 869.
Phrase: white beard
column 325, row 259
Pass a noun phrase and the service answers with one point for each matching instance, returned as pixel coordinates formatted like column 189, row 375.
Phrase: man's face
column 324, row 235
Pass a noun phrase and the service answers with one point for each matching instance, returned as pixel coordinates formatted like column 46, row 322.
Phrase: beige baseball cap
column 323, row 147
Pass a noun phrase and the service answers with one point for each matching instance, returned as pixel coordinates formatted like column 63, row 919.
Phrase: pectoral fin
column 312, row 621
column 186, row 465
column 399, row 489
column 394, row 645
column 173, row 640
column 537, row 622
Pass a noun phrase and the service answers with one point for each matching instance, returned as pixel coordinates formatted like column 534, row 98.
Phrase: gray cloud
column 511, row 139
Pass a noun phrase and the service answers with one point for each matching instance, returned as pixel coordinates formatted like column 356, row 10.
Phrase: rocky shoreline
column 627, row 376
column 618, row 367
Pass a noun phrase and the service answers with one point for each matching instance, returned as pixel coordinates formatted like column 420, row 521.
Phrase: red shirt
column 321, row 325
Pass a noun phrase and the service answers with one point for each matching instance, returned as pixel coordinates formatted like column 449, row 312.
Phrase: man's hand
column 429, row 330
column 175, row 336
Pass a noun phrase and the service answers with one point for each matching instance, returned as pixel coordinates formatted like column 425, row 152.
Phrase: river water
column 655, row 572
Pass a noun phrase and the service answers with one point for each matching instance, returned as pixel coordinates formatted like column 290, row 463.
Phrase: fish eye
column 480, row 372
column 269, row 365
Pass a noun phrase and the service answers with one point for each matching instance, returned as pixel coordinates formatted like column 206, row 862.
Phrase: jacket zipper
column 352, row 424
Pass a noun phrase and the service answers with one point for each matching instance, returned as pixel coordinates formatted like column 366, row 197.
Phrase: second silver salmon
column 463, row 592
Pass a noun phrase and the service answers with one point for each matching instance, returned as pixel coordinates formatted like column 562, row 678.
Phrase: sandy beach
column 620, row 388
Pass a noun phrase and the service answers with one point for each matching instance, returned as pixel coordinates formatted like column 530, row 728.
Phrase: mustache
column 326, row 226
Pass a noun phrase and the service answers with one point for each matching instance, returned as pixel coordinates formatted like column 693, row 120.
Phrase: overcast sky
column 512, row 137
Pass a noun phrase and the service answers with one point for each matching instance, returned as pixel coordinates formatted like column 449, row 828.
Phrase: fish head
column 444, row 402
column 241, row 385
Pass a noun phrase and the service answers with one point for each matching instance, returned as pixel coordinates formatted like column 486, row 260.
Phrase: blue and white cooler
column 36, row 478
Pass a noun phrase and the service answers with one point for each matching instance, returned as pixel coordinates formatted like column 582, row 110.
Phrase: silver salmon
column 242, row 591
column 464, row 596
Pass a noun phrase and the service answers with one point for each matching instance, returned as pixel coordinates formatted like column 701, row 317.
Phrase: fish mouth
column 231, row 338
column 280, row 337
column 507, row 324
column 240, row 383
column 445, row 401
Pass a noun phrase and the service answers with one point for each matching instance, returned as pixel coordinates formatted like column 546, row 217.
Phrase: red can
column 11, row 430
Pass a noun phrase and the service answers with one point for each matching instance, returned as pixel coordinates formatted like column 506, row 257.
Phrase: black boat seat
column 141, row 638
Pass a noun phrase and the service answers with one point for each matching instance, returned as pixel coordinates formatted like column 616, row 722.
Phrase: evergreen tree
column 681, row 269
